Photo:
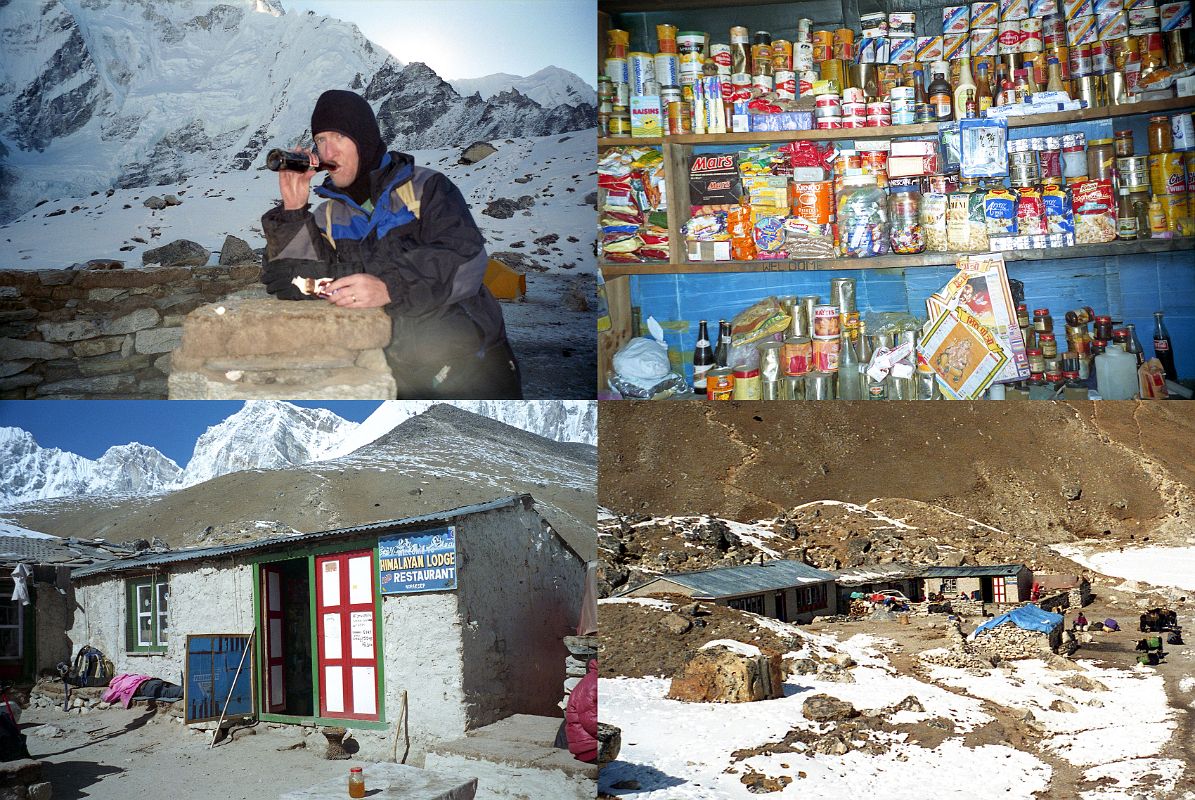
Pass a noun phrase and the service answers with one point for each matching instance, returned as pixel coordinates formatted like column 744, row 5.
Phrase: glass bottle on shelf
column 849, row 387
column 920, row 99
column 1133, row 344
column 940, row 99
column 1054, row 82
column 964, row 90
column 983, row 90
column 703, row 359
column 1163, row 350
column 722, row 353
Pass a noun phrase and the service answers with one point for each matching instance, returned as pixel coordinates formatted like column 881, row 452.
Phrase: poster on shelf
column 981, row 286
column 963, row 352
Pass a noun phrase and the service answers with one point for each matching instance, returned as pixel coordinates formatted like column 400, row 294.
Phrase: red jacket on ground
column 580, row 717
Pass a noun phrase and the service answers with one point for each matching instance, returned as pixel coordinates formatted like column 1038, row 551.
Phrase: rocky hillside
column 843, row 486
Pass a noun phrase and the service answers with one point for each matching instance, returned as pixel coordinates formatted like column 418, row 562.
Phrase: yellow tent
column 504, row 282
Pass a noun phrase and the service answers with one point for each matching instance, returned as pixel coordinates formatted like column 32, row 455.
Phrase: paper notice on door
column 361, row 633
column 334, row 689
column 330, row 583
column 331, row 647
column 365, row 696
column 361, row 579
column 273, row 579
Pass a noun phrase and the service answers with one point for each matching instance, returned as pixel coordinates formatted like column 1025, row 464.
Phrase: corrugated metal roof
column 202, row 553
column 992, row 570
column 749, row 578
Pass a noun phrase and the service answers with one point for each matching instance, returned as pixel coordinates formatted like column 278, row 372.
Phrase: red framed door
column 346, row 634
column 273, row 686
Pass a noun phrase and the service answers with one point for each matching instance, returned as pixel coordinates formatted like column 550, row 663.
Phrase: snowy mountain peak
column 271, row 7
column 264, row 434
column 550, row 87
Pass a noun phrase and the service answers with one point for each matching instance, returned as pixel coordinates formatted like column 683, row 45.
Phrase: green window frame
column 148, row 617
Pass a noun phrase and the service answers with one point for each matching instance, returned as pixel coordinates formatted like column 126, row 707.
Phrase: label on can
column 719, row 384
column 825, row 354
column 797, row 355
column 720, row 54
column 826, row 321
column 786, row 85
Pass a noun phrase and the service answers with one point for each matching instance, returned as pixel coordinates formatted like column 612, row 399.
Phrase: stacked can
column 762, row 69
column 667, row 60
column 1168, row 178
column 827, row 109
column 854, row 108
column 827, row 336
column 842, row 294
column 904, row 105
column 618, row 116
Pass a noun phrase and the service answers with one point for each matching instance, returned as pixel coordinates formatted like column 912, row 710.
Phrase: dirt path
column 117, row 754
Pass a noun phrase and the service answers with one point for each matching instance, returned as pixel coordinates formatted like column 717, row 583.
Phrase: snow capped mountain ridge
column 261, row 435
column 551, row 86
column 99, row 94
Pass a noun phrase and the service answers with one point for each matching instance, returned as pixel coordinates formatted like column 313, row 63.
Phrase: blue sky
column 472, row 38
column 89, row 427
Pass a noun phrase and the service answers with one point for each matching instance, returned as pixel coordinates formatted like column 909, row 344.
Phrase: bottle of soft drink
column 1162, row 347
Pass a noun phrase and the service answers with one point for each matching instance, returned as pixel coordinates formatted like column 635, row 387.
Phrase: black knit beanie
column 347, row 113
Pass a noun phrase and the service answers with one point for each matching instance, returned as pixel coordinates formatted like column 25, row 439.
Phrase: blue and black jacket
column 418, row 236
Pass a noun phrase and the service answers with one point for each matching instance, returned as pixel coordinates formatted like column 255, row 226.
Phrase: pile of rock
column 958, row 653
column 247, row 349
column 725, row 671
column 1009, row 642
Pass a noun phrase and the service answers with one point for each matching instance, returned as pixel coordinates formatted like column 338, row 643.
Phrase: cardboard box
column 645, row 116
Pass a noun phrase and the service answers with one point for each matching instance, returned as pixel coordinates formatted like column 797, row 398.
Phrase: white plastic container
column 1116, row 374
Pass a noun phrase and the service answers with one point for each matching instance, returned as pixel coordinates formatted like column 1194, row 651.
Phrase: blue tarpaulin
column 1030, row 618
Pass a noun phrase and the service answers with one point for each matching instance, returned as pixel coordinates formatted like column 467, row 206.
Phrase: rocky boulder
column 179, row 253
column 236, row 251
column 725, row 671
column 824, row 708
column 154, row 203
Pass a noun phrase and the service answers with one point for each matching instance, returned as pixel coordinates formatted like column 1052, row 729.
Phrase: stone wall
column 102, row 333
column 1057, row 603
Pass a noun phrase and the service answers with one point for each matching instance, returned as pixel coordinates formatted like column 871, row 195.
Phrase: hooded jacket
column 419, row 238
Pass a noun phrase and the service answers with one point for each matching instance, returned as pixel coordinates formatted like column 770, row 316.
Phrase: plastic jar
column 862, row 217
column 1101, row 159
column 904, row 217
column 1161, row 139
column 1074, row 160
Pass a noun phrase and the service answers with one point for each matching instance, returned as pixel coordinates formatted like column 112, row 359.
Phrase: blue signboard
column 417, row 562
column 215, row 664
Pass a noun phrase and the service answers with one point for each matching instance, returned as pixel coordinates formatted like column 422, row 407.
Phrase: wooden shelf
column 1111, row 249
column 924, row 129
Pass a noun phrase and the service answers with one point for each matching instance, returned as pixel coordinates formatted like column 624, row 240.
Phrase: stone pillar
column 246, row 349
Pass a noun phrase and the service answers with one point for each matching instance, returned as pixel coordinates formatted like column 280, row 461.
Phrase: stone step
column 514, row 759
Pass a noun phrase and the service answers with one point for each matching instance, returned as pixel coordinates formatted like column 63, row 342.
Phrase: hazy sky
column 89, row 427
column 472, row 38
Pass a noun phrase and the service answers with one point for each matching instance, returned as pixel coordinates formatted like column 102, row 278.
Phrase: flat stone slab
column 521, row 740
column 392, row 782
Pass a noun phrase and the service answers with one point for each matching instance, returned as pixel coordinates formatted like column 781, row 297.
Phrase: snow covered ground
column 1160, row 566
column 559, row 172
column 683, row 751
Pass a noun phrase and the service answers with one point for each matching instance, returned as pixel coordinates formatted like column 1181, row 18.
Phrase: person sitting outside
column 1080, row 622
column 396, row 236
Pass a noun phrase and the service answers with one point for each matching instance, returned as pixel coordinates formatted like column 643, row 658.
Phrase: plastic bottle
column 1054, row 84
column 1116, row 374
column 939, row 98
column 966, row 88
column 356, row 782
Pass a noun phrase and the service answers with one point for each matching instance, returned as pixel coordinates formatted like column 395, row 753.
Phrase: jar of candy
column 862, row 217
column 904, row 217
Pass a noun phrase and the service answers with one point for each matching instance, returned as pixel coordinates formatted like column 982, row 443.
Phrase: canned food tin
column 770, row 390
column 812, row 200
column 642, row 68
column 1134, row 170
column 770, row 360
column 797, row 354
column 719, row 384
column 825, row 355
column 842, row 295
column 829, row 123
column 782, row 55
column 792, row 387
column 616, row 70
column 763, row 82
column 620, row 124
column 823, row 46
column 802, row 56
column 819, row 386
column 746, row 383
column 667, row 68
column 786, row 85
column 825, row 322
column 666, row 37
